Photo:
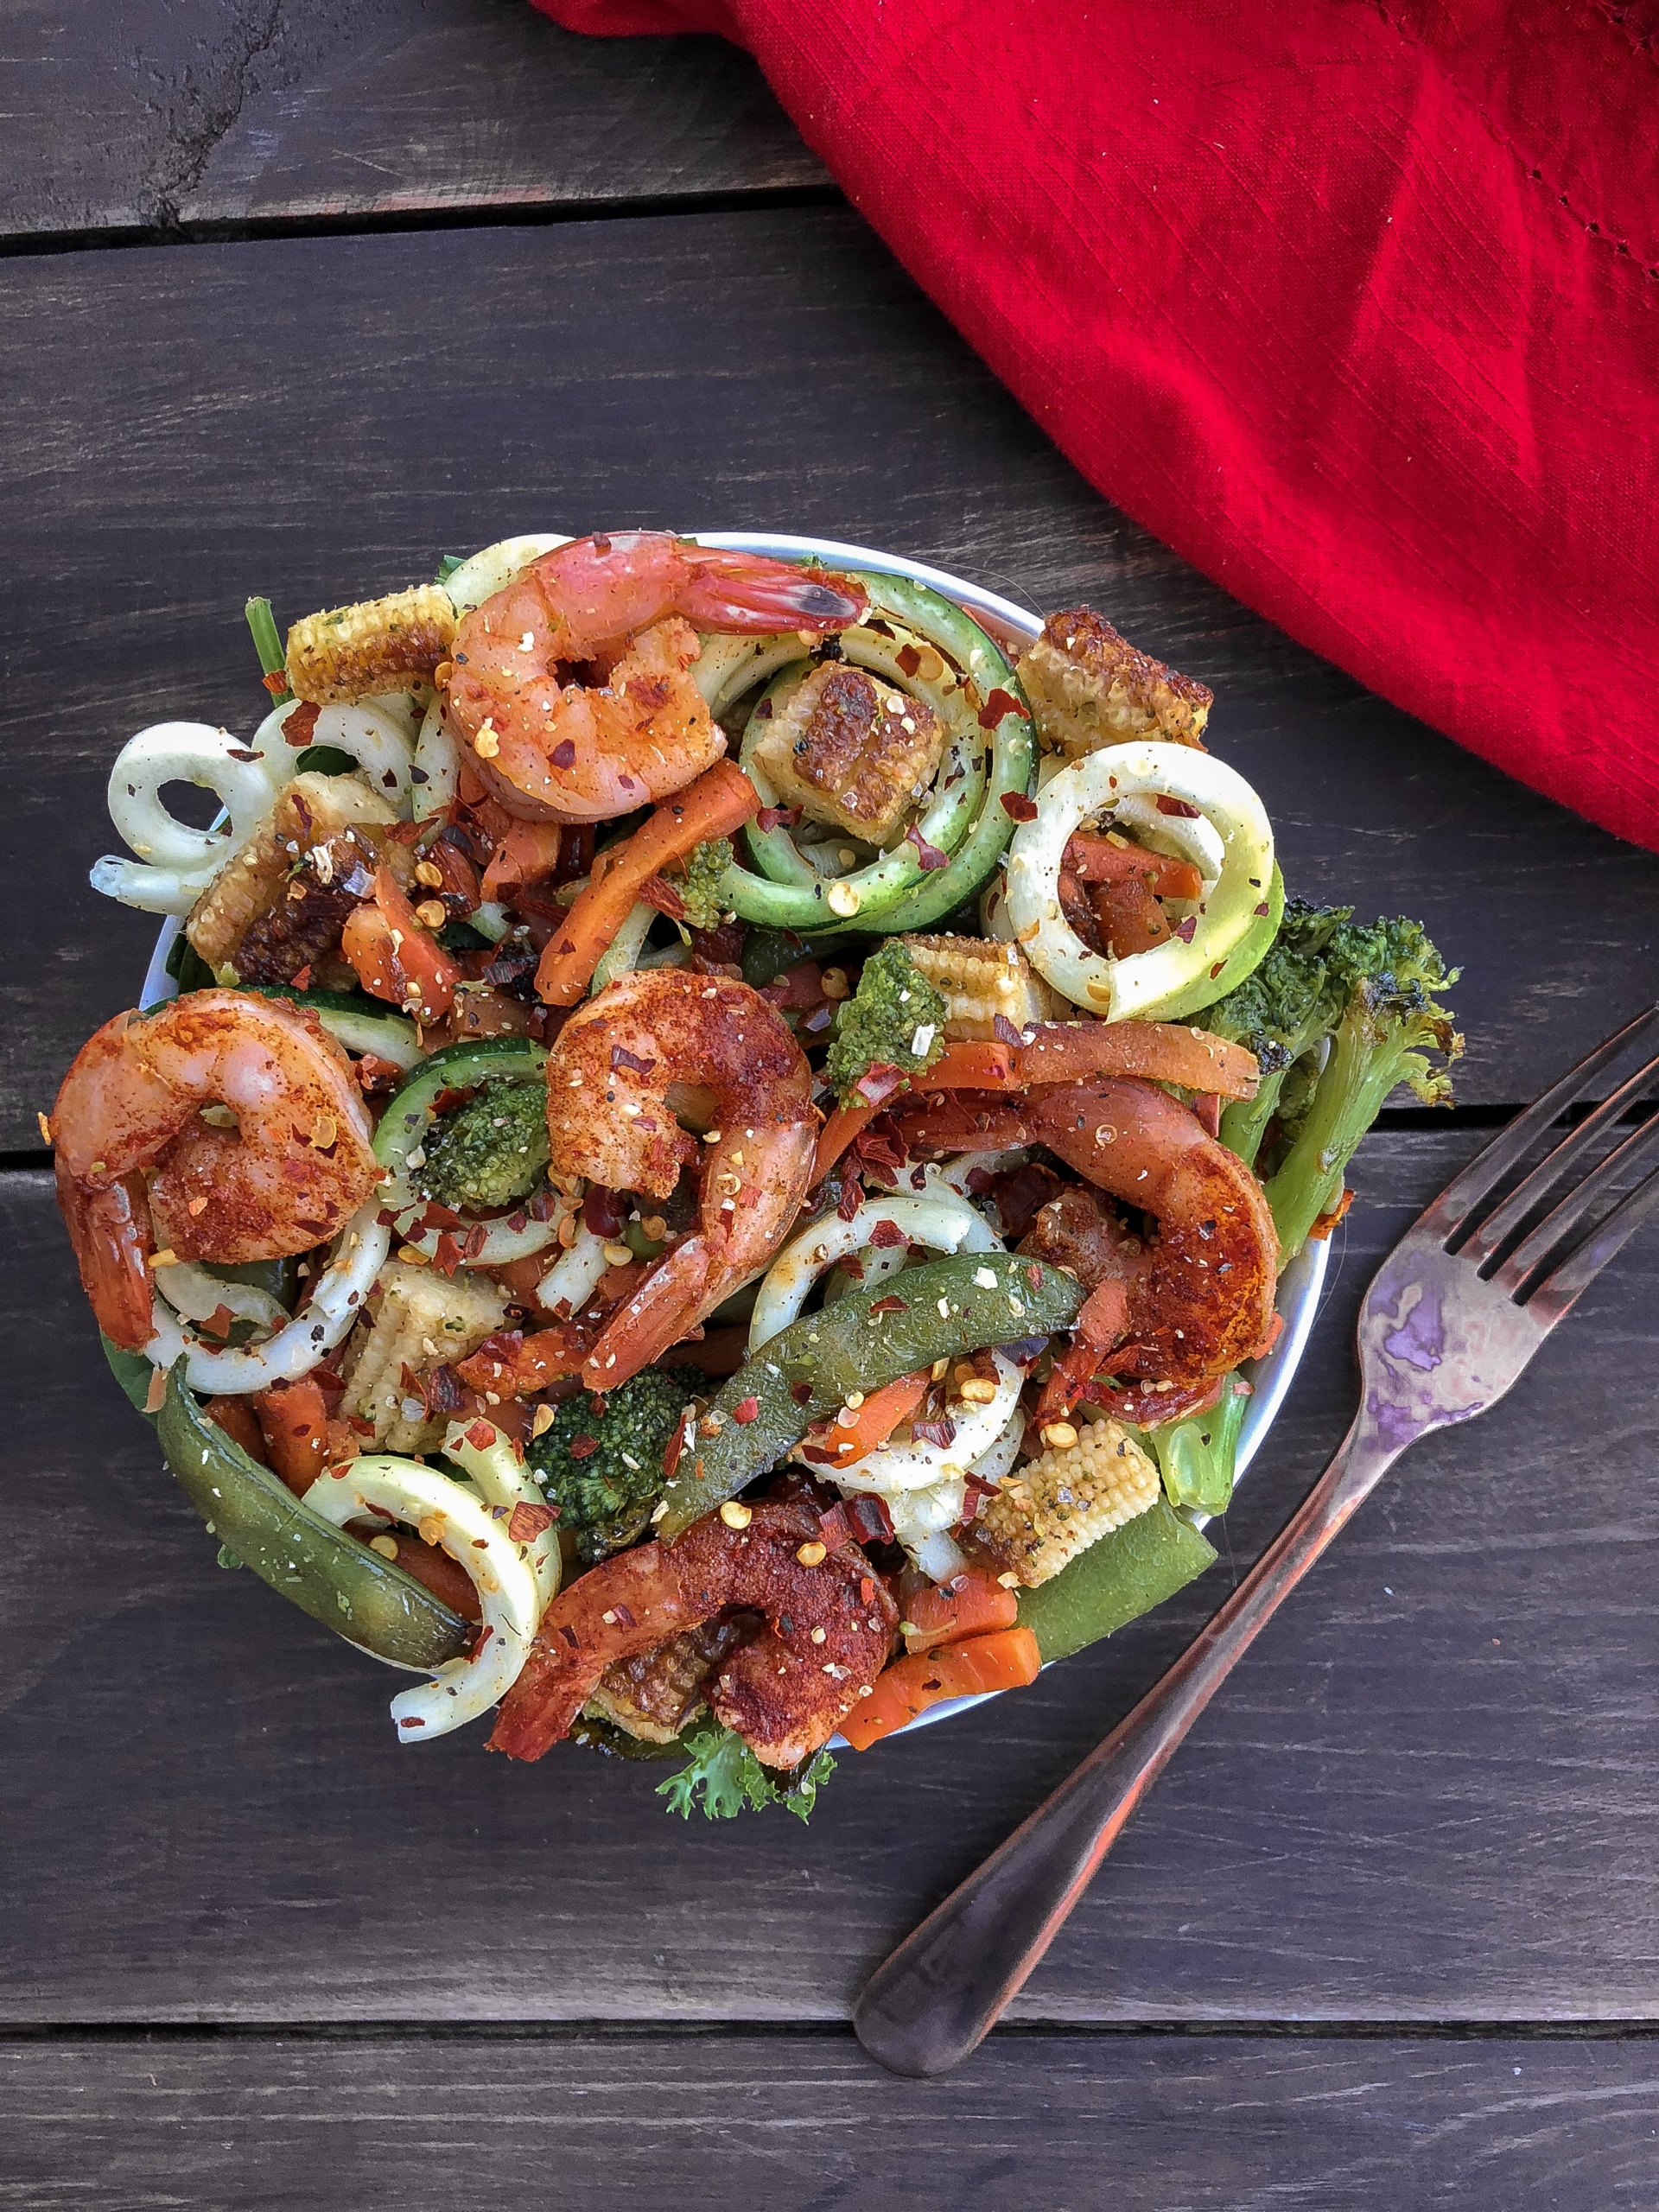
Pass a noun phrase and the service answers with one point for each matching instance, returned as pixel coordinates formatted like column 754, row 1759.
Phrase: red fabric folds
column 1355, row 306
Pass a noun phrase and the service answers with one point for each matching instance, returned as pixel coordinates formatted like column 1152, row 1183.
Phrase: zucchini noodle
column 375, row 739
column 498, row 1473
column 453, row 1518
column 197, row 1296
column 360, row 1252
column 576, row 1274
column 177, row 862
column 940, row 1219
column 923, row 1486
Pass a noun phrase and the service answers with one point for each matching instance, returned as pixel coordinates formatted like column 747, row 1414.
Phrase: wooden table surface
column 298, row 294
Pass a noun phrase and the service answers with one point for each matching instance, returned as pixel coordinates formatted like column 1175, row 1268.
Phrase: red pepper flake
column 1185, row 930
column 276, row 683
column 930, row 856
column 385, row 1219
column 850, row 1264
column 624, row 1615
column 1216, row 970
column 301, row 977
column 569, row 1636
column 873, row 1524
column 1263, row 908
column 448, row 1256
column 675, row 1446
column 887, row 1233
column 584, row 1447
column 563, row 754
column 1018, row 807
column 942, row 1432
column 155, row 1396
column 879, row 1082
column 908, row 658
column 545, row 1204
column 657, row 892
column 411, row 1721
column 301, row 727
column 359, row 1427
column 851, row 1197
column 477, row 1237
column 1034, row 1276
column 779, row 817
column 1005, row 1031
column 444, row 1393
column 745, row 1410
column 833, row 1529
column 816, row 1458
column 621, row 1057
column 1000, row 703
column 801, row 1393
column 527, row 1522
column 889, row 1306
column 480, row 1436
column 1178, row 807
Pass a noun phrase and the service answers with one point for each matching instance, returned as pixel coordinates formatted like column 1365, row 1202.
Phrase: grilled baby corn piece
column 653, row 1695
column 1067, row 1498
column 281, row 899
column 424, row 1321
column 979, row 979
column 849, row 750
column 1088, row 687
column 349, row 652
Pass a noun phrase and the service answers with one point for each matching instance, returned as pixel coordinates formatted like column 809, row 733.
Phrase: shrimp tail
column 747, row 592
column 110, row 1230
column 653, row 1319
column 633, row 1602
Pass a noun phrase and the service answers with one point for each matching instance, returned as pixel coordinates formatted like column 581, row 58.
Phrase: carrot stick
column 293, row 1418
column 528, row 850
column 721, row 800
column 1099, row 860
column 873, row 1422
column 394, row 957
column 516, row 1366
column 1162, row 1051
column 837, row 1133
column 1005, row 1661
column 972, row 1603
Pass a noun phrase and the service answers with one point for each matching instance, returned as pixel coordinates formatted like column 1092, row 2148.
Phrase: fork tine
column 1556, row 1294
column 1508, row 1216
column 1515, row 1140
column 1531, row 1253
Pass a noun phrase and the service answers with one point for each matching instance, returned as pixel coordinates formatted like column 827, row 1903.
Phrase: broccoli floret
column 603, row 1470
column 1366, row 994
column 726, row 1778
column 491, row 1150
column 894, row 1019
column 697, row 880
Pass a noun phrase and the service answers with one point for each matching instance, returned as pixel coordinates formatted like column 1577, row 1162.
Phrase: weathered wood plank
column 235, row 110
column 318, row 419
column 1073, row 2124
column 1425, row 1794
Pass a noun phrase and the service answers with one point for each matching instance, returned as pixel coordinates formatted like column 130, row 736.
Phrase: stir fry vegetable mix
column 846, row 1315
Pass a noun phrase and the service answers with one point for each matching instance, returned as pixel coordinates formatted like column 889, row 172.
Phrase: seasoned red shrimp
column 618, row 1069
column 827, row 1633
column 296, row 1165
column 1199, row 1297
column 634, row 727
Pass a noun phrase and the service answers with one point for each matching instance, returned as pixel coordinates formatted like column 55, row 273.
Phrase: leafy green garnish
column 725, row 1778
column 448, row 563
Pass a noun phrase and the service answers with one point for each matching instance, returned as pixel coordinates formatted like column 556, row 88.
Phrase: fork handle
column 930, row 2003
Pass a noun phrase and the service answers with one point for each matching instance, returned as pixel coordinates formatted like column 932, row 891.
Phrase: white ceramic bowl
column 1013, row 629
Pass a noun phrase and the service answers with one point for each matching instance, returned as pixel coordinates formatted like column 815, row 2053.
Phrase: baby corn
column 425, row 1321
column 297, row 870
column 978, row 979
column 380, row 644
column 1088, row 687
column 1057, row 1505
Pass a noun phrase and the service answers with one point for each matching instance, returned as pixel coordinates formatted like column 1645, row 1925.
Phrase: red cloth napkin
column 1356, row 306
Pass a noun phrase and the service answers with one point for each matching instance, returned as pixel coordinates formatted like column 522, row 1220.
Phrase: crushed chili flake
column 887, row 1233
column 942, row 1432
column 1018, row 807
column 480, row 1436
column 1005, row 1031
column 851, row 1197
column 879, row 1082
column 563, row 754
column 301, row 727
column 624, row 1615
column 477, row 1237
column 889, row 1306
column 908, row 658
column 569, row 1636
column 527, row 1522
column 801, row 1393
column 1178, row 807
column 1186, row 929
column 675, row 1445
column 746, row 1409
column 1035, row 1277
column 998, row 704
column 930, row 856
column 833, row 1529
column 872, row 1524
column 779, row 817
column 621, row 1057
column 448, row 1256
column 301, row 977
column 584, row 1447
column 657, row 892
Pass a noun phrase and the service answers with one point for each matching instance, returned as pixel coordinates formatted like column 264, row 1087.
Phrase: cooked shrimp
column 648, row 1042
column 829, row 1630
column 625, row 605
column 1197, row 1296
column 295, row 1164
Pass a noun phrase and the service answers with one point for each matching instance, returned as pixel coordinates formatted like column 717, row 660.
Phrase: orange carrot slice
column 973, row 1603
column 873, row 1422
column 1005, row 1661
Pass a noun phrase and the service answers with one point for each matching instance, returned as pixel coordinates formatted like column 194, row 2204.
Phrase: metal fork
column 1455, row 1313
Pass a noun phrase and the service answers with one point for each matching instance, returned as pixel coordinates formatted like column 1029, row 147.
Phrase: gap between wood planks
column 119, row 2034
column 498, row 215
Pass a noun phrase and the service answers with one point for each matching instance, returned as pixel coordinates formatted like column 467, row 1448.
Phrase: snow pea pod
column 326, row 1573
column 807, row 1370
column 1116, row 1579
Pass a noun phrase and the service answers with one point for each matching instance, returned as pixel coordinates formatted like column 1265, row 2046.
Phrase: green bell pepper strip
column 939, row 1311
column 333, row 1577
column 455, row 1067
column 358, row 1022
column 1115, row 1580
column 898, row 884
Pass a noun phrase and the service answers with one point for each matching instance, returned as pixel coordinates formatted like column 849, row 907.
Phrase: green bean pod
column 939, row 1311
column 326, row 1573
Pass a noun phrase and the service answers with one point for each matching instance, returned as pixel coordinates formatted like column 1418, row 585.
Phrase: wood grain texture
column 318, row 419
column 805, row 2125
column 1428, row 1794
column 184, row 112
